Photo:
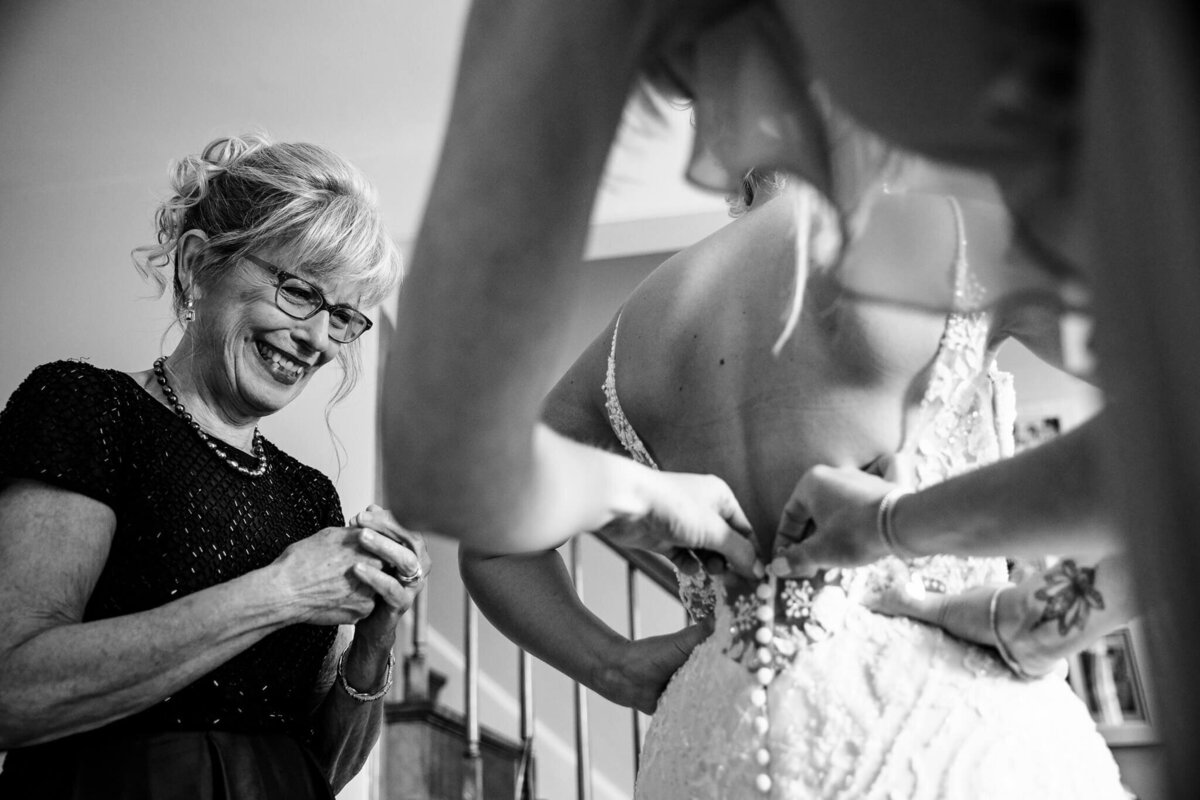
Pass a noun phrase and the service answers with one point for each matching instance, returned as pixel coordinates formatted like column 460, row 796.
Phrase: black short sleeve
column 62, row 426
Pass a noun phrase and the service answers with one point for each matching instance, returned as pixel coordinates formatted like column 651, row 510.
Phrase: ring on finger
column 409, row 580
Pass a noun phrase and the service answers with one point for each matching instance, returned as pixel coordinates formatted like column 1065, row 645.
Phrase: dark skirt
column 183, row 765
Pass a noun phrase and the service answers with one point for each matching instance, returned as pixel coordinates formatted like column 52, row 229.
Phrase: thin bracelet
column 363, row 697
column 1006, row 655
column 885, row 526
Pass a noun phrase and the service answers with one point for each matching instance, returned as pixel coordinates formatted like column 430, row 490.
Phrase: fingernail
column 367, row 536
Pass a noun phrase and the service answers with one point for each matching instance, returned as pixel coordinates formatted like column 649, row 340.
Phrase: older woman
column 173, row 582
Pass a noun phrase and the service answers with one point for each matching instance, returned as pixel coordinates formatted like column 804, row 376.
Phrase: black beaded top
column 185, row 521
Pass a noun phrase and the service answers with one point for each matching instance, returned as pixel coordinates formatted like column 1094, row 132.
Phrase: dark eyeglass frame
column 283, row 276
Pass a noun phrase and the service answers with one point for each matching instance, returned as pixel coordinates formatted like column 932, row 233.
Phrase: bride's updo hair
column 248, row 194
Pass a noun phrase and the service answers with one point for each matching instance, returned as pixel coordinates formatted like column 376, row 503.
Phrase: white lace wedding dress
column 803, row 693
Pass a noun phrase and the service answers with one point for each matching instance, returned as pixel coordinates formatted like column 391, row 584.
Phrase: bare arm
column 491, row 281
column 531, row 600
column 1053, row 613
column 530, row 597
column 347, row 728
column 1049, row 499
column 60, row 675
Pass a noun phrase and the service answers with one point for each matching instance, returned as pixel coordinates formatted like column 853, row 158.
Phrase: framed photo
column 1110, row 677
column 1031, row 432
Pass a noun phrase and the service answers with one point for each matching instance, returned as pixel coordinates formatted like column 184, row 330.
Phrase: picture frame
column 1030, row 432
column 1110, row 678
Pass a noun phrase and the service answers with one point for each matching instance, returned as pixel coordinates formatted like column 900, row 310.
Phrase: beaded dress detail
column 802, row 692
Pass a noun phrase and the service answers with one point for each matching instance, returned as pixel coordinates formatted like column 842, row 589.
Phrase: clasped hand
column 367, row 573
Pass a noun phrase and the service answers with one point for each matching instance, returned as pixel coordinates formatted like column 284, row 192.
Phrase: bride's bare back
column 699, row 381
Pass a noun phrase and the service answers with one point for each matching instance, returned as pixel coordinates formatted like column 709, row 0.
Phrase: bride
column 793, row 688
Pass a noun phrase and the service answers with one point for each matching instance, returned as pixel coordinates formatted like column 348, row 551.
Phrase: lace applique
column 698, row 593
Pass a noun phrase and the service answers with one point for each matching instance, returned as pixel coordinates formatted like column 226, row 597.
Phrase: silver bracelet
column 885, row 526
column 363, row 697
column 1006, row 655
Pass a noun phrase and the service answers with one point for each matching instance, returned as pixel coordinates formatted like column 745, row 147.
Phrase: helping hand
column 689, row 513
column 839, row 506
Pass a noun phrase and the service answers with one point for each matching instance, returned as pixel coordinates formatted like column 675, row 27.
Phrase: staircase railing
column 417, row 686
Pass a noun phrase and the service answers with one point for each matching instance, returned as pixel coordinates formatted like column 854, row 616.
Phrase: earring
column 189, row 313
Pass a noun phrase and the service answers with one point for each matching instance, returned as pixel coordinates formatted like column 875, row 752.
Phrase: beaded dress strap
column 954, row 336
column 616, row 415
column 968, row 293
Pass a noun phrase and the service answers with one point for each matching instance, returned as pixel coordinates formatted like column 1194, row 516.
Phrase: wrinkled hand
column 639, row 671
column 832, row 514
column 689, row 513
column 396, row 575
column 318, row 577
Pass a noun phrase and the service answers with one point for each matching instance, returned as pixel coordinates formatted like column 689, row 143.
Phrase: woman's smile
column 282, row 366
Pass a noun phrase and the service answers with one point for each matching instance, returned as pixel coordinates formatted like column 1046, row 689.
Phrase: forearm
column 73, row 677
column 347, row 728
column 530, row 599
column 492, row 282
column 566, row 488
column 1063, row 610
column 1049, row 499
column 1032, row 624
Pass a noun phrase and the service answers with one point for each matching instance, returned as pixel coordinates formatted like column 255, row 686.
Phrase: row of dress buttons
column 764, row 674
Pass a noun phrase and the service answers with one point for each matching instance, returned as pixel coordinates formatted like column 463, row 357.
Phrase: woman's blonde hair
column 248, row 193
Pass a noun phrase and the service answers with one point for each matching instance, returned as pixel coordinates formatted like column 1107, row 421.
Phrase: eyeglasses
column 299, row 299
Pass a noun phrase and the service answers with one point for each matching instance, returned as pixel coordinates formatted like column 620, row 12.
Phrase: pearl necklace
column 173, row 401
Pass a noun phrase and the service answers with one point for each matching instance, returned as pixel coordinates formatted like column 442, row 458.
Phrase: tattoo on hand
column 1070, row 595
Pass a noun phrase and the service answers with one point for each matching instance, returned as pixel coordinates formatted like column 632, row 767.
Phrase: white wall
column 1043, row 391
